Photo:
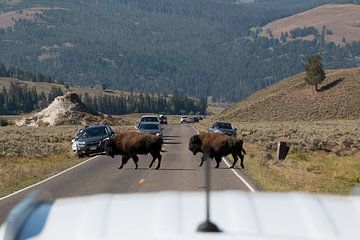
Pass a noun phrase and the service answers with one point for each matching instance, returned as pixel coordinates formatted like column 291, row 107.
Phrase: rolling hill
column 292, row 99
column 343, row 21
column 197, row 47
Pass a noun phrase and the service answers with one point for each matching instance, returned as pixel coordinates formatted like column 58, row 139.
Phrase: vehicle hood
column 226, row 130
column 92, row 139
column 149, row 131
column 176, row 215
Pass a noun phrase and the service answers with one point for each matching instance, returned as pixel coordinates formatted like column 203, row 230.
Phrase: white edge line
column 233, row 170
column 47, row 179
column 239, row 176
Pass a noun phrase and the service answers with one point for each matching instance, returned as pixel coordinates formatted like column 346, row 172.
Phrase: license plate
column 93, row 148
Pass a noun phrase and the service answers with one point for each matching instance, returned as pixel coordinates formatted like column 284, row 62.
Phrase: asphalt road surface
column 179, row 172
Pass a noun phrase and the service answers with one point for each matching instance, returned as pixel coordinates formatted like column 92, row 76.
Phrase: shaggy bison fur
column 217, row 145
column 129, row 144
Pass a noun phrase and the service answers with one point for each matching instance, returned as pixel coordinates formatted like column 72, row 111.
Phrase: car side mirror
column 73, row 140
column 235, row 129
column 136, row 127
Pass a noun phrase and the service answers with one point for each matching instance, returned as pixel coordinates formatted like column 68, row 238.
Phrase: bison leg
column 136, row 160
column 159, row 161
column 156, row 156
column 202, row 161
column 124, row 160
column 218, row 160
column 242, row 160
column 235, row 160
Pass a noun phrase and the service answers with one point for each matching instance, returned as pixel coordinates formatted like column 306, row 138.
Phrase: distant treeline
column 22, row 99
column 197, row 47
column 174, row 104
column 24, row 75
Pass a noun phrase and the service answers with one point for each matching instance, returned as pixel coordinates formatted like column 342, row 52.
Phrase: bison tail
column 243, row 150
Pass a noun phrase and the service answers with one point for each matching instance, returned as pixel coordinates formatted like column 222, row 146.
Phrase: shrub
column 3, row 122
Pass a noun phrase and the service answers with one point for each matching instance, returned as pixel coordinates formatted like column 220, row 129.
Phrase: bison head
column 195, row 144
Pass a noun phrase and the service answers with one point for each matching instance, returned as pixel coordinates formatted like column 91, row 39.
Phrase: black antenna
column 207, row 226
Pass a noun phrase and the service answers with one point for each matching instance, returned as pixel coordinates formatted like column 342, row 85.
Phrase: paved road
column 179, row 171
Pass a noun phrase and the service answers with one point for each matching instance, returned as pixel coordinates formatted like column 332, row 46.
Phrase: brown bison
column 129, row 144
column 217, row 145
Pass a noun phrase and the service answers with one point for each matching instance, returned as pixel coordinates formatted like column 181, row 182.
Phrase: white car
column 184, row 119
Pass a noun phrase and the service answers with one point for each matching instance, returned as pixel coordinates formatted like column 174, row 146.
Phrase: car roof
column 176, row 215
column 149, row 123
column 149, row 116
column 96, row 125
column 222, row 122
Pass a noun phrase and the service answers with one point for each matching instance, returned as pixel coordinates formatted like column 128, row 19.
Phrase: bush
column 3, row 122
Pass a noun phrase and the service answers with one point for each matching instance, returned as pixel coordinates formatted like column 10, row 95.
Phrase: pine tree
column 314, row 73
column 54, row 92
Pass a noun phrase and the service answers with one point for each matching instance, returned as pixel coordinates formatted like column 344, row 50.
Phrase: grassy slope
column 292, row 100
column 46, row 87
column 341, row 19
column 308, row 167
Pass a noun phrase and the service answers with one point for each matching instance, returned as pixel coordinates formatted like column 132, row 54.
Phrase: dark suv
column 92, row 139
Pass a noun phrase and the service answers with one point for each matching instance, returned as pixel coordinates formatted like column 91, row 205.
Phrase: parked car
column 92, row 139
column 183, row 119
column 163, row 119
column 190, row 120
column 150, row 127
column 149, row 118
column 223, row 127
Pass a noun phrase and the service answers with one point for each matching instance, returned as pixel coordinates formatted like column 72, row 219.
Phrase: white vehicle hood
column 173, row 215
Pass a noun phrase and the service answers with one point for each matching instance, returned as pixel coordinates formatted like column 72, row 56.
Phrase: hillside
column 292, row 100
column 343, row 20
column 46, row 87
column 197, row 47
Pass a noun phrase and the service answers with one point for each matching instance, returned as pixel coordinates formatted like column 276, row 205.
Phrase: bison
column 129, row 144
column 217, row 145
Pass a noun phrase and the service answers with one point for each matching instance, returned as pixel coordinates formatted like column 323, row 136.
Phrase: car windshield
column 149, row 119
column 223, row 125
column 94, row 132
column 149, row 126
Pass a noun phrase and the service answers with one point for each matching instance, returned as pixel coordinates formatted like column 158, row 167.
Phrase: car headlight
column 158, row 134
column 80, row 143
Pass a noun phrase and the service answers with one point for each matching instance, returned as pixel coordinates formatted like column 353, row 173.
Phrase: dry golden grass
column 19, row 172
column 31, row 154
column 310, row 172
column 342, row 19
column 306, row 168
column 293, row 100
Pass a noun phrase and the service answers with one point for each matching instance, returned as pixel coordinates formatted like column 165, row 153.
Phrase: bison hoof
column 157, row 167
column 120, row 167
column 217, row 166
column 232, row 166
